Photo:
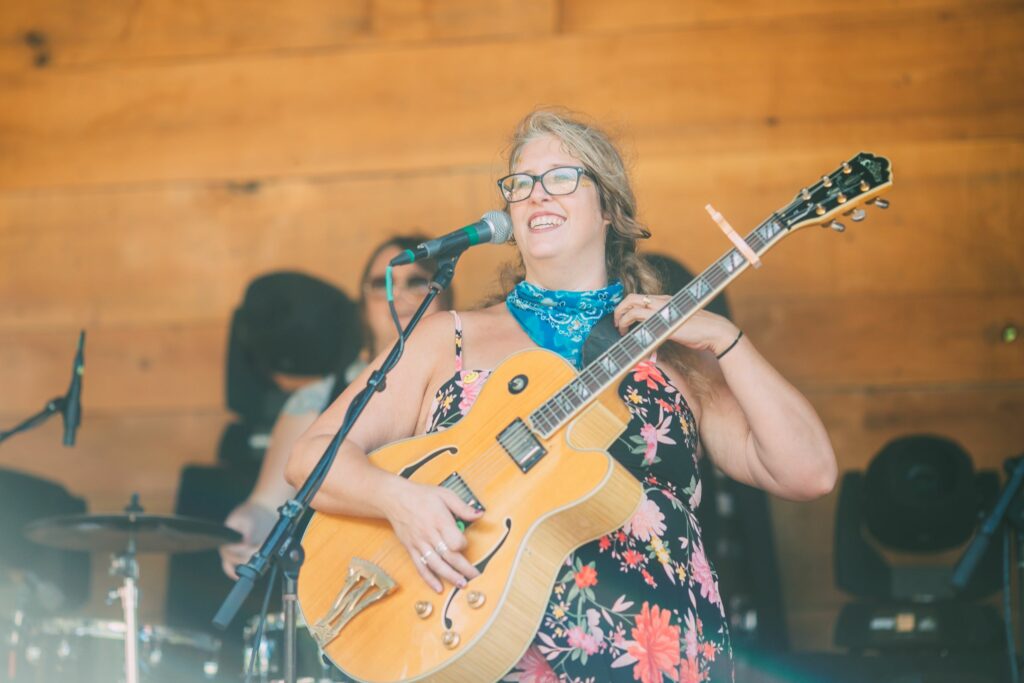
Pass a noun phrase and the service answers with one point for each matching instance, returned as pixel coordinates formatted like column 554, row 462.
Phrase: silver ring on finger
column 441, row 548
column 425, row 556
column 646, row 301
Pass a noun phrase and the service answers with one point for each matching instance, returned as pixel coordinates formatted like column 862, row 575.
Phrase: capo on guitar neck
column 740, row 244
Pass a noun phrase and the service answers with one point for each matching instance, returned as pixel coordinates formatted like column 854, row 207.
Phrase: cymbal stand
column 16, row 637
column 290, row 565
column 127, row 567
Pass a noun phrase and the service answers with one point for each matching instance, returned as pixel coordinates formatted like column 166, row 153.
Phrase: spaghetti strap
column 458, row 341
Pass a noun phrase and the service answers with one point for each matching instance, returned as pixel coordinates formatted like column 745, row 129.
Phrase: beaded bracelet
column 729, row 347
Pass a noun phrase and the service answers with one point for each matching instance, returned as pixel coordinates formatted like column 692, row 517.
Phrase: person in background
column 255, row 516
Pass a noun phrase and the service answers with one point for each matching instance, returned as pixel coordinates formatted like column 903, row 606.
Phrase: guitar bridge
column 366, row 584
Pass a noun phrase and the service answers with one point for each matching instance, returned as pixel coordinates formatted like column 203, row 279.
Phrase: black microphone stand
column 52, row 407
column 281, row 546
column 968, row 563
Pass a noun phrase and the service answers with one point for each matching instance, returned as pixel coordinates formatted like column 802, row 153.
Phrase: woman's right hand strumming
column 423, row 516
column 424, row 520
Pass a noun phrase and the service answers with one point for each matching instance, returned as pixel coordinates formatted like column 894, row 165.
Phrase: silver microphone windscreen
column 501, row 226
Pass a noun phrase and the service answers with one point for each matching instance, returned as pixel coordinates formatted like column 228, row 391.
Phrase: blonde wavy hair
column 599, row 155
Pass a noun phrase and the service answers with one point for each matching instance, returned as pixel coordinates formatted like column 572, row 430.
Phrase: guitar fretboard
column 857, row 181
column 641, row 341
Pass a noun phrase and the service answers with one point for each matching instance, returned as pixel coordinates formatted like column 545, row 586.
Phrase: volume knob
column 450, row 640
column 476, row 599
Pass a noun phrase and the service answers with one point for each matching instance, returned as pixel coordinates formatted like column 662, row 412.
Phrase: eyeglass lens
column 556, row 181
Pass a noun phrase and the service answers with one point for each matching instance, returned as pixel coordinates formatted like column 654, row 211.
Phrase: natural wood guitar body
column 574, row 493
column 533, row 519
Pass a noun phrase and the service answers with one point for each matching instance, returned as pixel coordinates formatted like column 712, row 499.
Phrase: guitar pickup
column 456, row 484
column 521, row 445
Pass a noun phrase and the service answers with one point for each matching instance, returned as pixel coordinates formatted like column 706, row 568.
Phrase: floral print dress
column 642, row 603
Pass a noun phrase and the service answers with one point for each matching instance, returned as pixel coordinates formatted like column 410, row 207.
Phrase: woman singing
column 641, row 603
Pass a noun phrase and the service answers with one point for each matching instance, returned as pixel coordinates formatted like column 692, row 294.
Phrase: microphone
column 494, row 227
column 72, row 410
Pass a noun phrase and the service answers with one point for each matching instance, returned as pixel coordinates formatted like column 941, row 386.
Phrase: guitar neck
column 857, row 181
column 640, row 342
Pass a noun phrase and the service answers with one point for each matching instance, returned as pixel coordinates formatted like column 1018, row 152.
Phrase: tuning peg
column 882, row 203
column 857, row 215
column 846, row 168
column 837, row 226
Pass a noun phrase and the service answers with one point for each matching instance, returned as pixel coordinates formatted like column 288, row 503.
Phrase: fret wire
column 629, row 349
column 544, row 414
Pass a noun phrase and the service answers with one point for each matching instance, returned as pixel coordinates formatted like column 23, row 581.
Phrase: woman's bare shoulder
column 490, row 334
column 433, row 328
column 497, row 311
column 489, row 321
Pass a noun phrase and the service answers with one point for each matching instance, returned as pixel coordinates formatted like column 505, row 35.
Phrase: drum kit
column 77, row 650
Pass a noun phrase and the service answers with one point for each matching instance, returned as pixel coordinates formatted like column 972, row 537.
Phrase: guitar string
column 492, row 461
column 486, row 466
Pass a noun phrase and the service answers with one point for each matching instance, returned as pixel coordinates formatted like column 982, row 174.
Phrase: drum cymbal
column 114, row 533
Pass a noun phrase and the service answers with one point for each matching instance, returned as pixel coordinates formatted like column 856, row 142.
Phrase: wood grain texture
column 155, row 156
column 586, row 16
column 879, row 341
column 64, row 33
column 846, row 341
column 138, row 370
column 251, row 117
column 181, row 251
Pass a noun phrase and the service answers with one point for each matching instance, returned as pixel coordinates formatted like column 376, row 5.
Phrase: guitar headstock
column 856, row 183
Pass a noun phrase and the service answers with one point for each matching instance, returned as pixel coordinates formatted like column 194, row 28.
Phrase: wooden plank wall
column 155, row 156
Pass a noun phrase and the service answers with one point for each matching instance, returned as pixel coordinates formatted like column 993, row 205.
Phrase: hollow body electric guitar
column 532, row 454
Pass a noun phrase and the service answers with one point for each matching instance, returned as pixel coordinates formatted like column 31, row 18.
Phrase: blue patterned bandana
column 560, row 320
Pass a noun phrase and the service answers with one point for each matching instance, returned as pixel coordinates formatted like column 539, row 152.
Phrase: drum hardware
column 77, row 650
column 290, row 565
column 263, row 659
column 126, row 566
column 124, row 536
column 15, row 642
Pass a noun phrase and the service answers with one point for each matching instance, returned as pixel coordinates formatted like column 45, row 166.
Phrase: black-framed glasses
column 556, row 181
